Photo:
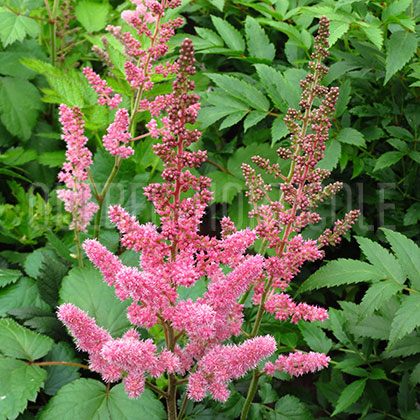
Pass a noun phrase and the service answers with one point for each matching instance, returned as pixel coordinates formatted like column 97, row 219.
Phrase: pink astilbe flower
column 296, row 364
column 74, row 172
column 222, row 364
column 116, row 133
column 101, row 87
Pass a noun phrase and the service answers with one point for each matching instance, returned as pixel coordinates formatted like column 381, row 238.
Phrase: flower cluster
column 74, row 172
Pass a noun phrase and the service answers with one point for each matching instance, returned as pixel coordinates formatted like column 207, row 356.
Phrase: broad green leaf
column 210, row 114
column 338, row 324
column 52, row 159
column 93, row 16
column 253, row 118
column 339, row 272
column 8, row 276
column 19, row 384
column 95, row 403
column 225, row 186
column 406, row 319
column 337, row 30
column 377, row 295
column 374, row 326
column 232, row 119
column 291, row 408
column 267, row 393
column 270, row 78
column 395, row 7
column 350, row 395
column 408, row 254
column 15, row 27
column 218, row 3
column 374, row 34
column 415, row 375
column 97, row 299
column 331, row 155
column 315, row 338
column 258, row 43
column 58, row 376
column 343, row 99
column 210, row 36
column 20, row 103
column 229, row 34
column 382, row 259
column 388, row 159
column 351, row 136
column 23, row 293
column 21, row 343
column 278, row 130
column 241, row 90
column 407, row 346
column 401, row 47
column 222, row 100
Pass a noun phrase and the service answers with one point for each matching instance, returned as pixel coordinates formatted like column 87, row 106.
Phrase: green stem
column 251, row 393
column 102, row 195
column 59, row 364
column 183, row 407
column 53, row 32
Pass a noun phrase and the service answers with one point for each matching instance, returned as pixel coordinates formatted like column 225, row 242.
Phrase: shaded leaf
column 350, row 395
column 406, row 319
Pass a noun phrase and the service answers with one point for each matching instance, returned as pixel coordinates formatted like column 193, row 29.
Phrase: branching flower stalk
column 198, row 348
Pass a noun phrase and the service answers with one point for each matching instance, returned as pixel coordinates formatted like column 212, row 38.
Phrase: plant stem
column 53, row 32
column 251, row 391
column 156, row 389
column 59, row 364
column 183, row 406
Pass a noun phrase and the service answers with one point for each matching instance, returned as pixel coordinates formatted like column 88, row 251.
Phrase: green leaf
column 19, row 384
column 339, row 272
column 374, row 34
column 210, row 36
column 350, row 395
column 337, row 30
column 58, row 376
column 52, row 159
column 94, row 402
column 406, row 318
column 258, row 43
column 401, row 47
column 225, row 186
column 267, row 393
column 218, row 3
column 20, row 103
column 93, row 16
column 382, row 259
column 331, row 155
column 15, row 27
column 407, row 346
column 232, row 119
column 229, row 34
column 8, row 276
column 273, row 82
column 315, row 338
column 241, row 90
column 291, row 408
column 21, row 343
column 408, row 254
column 388, row 159
column 278, row 130
column 23, row 293
column 97, row 299
column 415, row 375
column 351, row 136
column 253, row 118
column 378, row 294
column 374, row 326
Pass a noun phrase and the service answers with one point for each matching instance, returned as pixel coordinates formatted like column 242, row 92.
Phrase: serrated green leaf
column 97, row 299
column 94, row 402
column 338, row 323
column 257, row 40
column 229, row 34
column 21, row 343
column 19, row 384
column 58, row 376
column 23, row 293
column 339, row 272
column 343, row 98
column 337, row 30
column 267, row 393
column 406, row 319
column 315, row 338
column 407, row 346
column 415, row 375
column 210, row 36
column 20, row 103
column 225, row 186
column 232, row 119
column 382, row 259
column 351, row 393
column 331, row 155
column 209, row 115
column 8, row 276
column 15, row 27
column 253, row 118
column 401, row 47
column 351, row 136
column 241, row 90
column 388, row 159
column 218, row 3
column 270, row 78
column 93, row 16
column 278, row 130
column 374, row 34
column 52, row 159
column 377, row 295
column 374, row 326
column 408, row 254
column 291, row 408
